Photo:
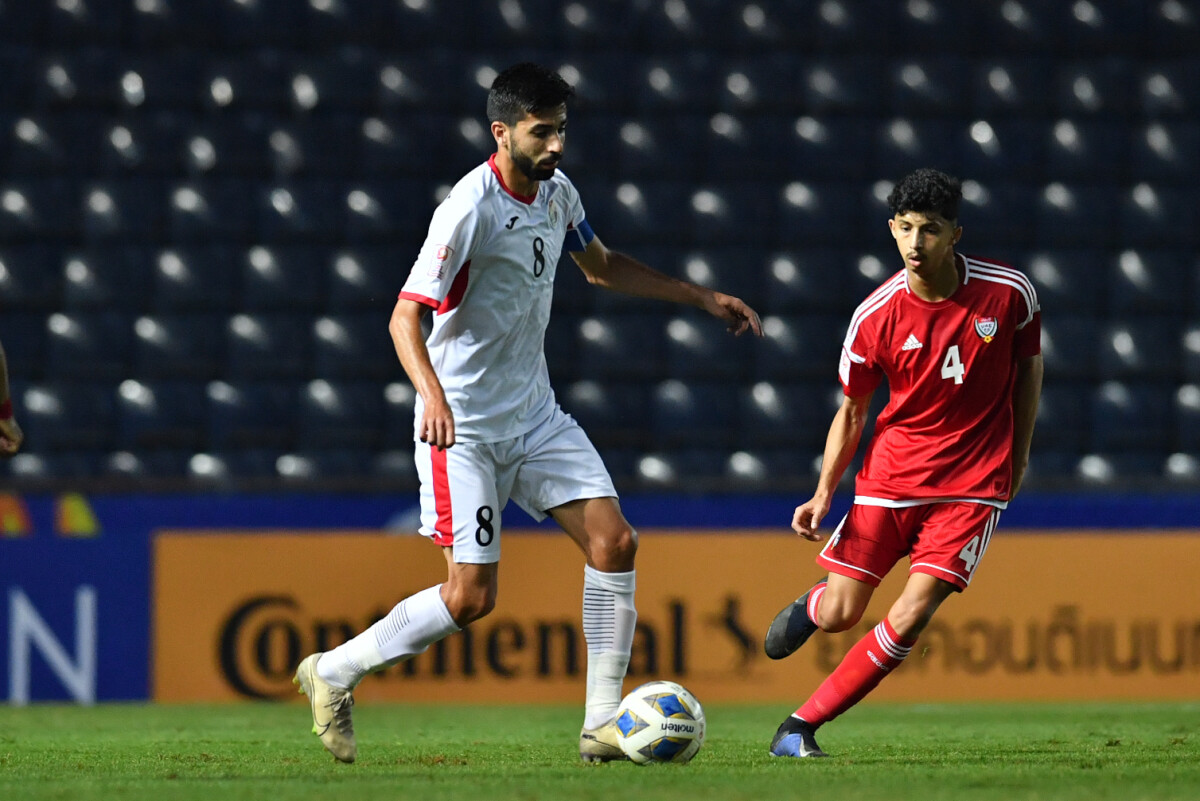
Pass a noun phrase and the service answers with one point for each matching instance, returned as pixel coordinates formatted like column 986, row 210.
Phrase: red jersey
column 947, row 430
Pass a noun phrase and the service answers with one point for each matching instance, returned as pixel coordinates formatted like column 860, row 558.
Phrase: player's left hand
column 11, row 437
column 734, row 312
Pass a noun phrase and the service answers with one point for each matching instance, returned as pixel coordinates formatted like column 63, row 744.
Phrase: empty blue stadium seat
column 1065, row 280
column 699, row 469
column 779, row 413
column 384, row 145
column 354, row 346
column 267, row 345
column 1157, row 215
column 384, row 211
column 251, row 414
column 1139, row 348
column 365, row 278
column 1168, row 89
column 906, row 143
column 45, row 208
column 336, row 414
column 253, row 79
column 673, row 82
column 841, row 84
column 1131, row 416
column 201, row 210
column 1186, row 407
column 647, row 147
column 1189, row 344
column 931, row 84
column 561, row 347
column 820, row 146
column 613, row 413
column 107, row 278
column 1064, row 417
column 1076, row 215
column 398, row 419
column 1171, row 28
column 25, row 337
column 29, row 278
column 740, row 213
column 123, row 211
column 160, row 414
column 181, row 345
column 66, row 415
column 287, row 278
column 1165, row 151
column 640, row 212
column 1002, row 148
column 1102, row 85
column 88, row 344
column 621, row 346
column 195, row 279
column 698, row 346
column 733, row 270
column 808, row 279
column 1150, row 282
column 395, row 466
column 1011, row 86
column 230, row 146
column 768, row 469
column 816, row 214
column 1070, row 345
column 143, row 468
column 1085, row 149
column 799, row 346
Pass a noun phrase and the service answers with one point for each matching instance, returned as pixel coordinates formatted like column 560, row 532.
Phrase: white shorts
column 464, row 488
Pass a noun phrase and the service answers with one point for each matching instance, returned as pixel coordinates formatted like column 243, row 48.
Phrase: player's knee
column 467, row 604
column 836, row 615
column 614, row 551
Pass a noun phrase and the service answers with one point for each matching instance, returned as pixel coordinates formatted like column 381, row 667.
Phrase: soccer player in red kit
column 958, row 339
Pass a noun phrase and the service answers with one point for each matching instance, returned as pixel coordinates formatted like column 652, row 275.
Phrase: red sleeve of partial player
column 1028, row 340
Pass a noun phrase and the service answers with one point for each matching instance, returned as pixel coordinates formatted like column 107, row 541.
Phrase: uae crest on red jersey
column 986, row 327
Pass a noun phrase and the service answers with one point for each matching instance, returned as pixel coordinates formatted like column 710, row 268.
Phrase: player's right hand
column 808, row 517
column 437, row 425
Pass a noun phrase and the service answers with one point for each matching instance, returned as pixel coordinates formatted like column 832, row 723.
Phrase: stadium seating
column 230, row 196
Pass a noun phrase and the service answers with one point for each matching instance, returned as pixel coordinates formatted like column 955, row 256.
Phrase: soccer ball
column 660, row 722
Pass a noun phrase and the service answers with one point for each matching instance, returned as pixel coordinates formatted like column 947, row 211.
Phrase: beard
column 529, row 169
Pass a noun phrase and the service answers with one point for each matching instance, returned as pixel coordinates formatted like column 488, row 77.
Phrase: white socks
column 409, row 629
column 609, row 617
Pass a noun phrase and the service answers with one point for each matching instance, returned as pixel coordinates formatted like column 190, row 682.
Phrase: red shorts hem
column 849, row 571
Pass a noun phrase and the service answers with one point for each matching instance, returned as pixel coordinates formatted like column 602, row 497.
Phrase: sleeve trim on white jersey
column 422, row 299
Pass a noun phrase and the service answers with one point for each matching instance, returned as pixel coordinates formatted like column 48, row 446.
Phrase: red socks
column 872, row 658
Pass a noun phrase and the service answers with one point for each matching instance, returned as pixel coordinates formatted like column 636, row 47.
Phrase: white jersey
column 487, row 267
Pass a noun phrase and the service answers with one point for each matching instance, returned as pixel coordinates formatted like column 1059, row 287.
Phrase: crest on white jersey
column 553, row 210
column 986, row 327
column 438, row 263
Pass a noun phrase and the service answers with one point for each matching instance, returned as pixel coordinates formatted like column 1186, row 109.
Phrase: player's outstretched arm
column 840, row 445
column 11, row 435
column 621, row 273
column 437, row 422
column 1027, row 392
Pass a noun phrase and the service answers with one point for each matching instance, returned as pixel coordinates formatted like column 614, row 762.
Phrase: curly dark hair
column 927, row 190
column 525, row 88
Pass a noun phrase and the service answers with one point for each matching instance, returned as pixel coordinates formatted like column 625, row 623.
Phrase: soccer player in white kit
column 958, row 339
column 488, row 427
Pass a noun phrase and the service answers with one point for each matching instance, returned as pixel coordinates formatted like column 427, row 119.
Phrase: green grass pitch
column 1023, row 752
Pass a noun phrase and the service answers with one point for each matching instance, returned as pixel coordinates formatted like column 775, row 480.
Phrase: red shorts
column 946, row 540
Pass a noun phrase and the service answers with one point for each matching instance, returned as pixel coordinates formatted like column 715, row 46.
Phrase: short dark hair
column 525, row 88
column 927, row 190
